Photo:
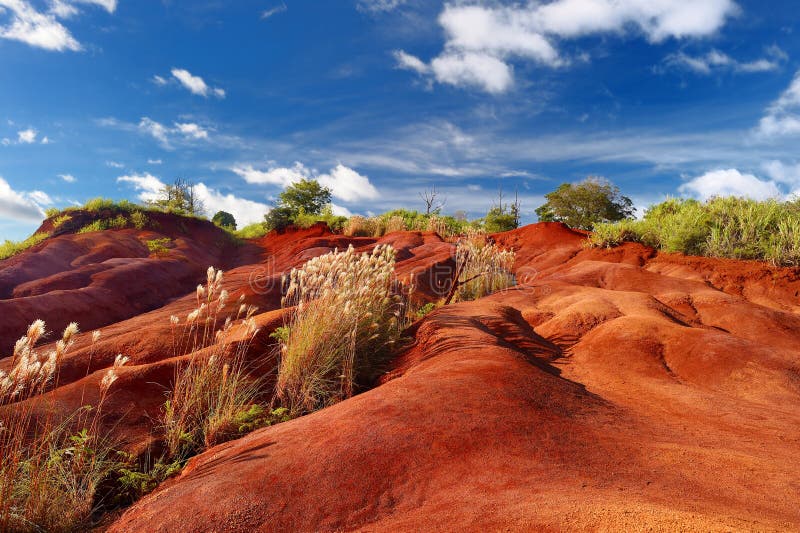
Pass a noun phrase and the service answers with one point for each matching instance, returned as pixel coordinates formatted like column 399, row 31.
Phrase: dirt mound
column 611, row 389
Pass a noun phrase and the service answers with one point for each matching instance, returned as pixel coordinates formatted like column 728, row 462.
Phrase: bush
column 358, row 226
column 252, row 231
column 334, row 222
column 139, row 219
column 11, row 248
column 59, row 221
column 224, row 220
column 733, row 228
column 327, row 356
column 159, row 246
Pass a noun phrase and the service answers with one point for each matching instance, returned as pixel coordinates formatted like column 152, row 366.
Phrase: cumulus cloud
column 43, row 29
column 27, row 136
column 191, row 130
column 348, row 185
column 244, row 211
column 196, row 84
column 345, row 183
column 730, row 182
column 165, row 135
column 782, row 117
column 482, row 39
column 21, row 206
column 69, row 178
column 714, row 61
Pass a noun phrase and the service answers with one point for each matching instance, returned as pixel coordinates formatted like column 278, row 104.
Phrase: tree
column 223, row 219
column 306, row 196
column 584, row 204
column 433, row 206
column 179, row 197
column 502, row 217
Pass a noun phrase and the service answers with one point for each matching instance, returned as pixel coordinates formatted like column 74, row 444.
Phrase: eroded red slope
column 613, row 389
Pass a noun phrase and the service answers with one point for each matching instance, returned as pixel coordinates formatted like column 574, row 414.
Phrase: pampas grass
column 49, row 473
column 346, row 321
column 483, row 268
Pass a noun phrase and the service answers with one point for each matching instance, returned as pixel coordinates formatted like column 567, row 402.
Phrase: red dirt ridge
column 618, row 389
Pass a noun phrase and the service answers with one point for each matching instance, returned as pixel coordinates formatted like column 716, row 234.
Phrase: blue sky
column 380, row 99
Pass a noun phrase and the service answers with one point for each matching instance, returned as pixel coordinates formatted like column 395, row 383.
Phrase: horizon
column 381, row 99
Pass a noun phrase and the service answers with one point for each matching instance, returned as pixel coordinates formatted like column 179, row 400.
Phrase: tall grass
column 734, row 228
column 213, row 397
column 50, row 468
column 482, row 267
column 347, row 319
column 11, row 248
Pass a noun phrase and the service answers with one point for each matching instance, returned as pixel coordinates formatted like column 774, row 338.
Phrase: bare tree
column 433, row 206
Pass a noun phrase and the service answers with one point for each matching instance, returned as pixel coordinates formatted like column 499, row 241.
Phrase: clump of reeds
column 482, row 267
column 50, row 468
column 213, row 395
column 346, row 320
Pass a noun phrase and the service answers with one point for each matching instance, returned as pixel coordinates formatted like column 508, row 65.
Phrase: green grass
column 251, row 231
column 11, row 248
column 159, row 246
column 734, row 228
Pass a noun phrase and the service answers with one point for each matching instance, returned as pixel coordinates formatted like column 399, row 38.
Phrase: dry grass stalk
column 482, row 267
column 347, row 318
column 50, row 468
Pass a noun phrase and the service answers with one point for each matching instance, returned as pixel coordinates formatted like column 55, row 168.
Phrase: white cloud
column 271, row 12
column 281, row 176
column 40, row 197
column 154, row 161
column 27, row 136
column 730, row 182
column 714, row 60
column 345, row 183
column 340, row 211
column 192, row 130
column 149, row 186
column 28, row 25
column 379, row 5
column 69, row 178
column 481, row 40
column 196, row 84
column 155, row 129
column 114, row 164
column 244, row 211
column 159, row 80
column 788, row 174
column 348, row 185
column 782, row 118
column 21, row 206
column 46, row 140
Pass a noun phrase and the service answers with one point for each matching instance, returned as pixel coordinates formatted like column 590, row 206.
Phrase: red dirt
column 616, row 389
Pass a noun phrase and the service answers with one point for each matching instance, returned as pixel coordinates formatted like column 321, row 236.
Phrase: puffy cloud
column 340, row 211
column 196, row 84
column 69, row 178
column 155, row 129
column 21, row 206
column 149, row 186
column 27, row 136
column 782, row 118
column 348, row 185
column 39, row 29
column 244, row 211
column 730, row 182
column 191, row 130
column 481, row 39
column 345, row 183
column 281, row 176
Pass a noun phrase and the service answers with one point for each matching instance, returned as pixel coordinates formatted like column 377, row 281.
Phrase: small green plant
column 61, row 220
column 118, row 222
column 252, row 231
column 159, row 246
column 11, row 248
column 139, row 219
column 425, row 310
column 50, row 212
column 97, row 225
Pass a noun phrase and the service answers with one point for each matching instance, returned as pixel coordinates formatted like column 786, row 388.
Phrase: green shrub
column 334, row 222
column 139, row 219
column 11, row 248
column 61, row 220
column 50, row 212
column 97, row 225
column 118, row 222
column 735, row 228
column 159, row 246
column 252, row 231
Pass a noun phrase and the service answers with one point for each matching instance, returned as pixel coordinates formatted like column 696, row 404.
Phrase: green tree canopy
column 179, row 197
column 223, row 219
column 582, row 205
column 306, row 197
